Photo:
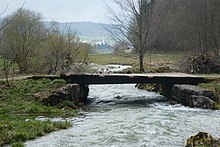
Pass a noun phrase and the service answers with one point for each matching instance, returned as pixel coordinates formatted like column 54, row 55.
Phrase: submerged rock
column 194, row 96
column 202, row 139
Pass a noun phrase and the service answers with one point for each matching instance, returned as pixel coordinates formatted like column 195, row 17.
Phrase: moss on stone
column 202, row 139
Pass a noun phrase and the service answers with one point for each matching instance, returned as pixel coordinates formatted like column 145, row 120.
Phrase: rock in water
column 202, row 139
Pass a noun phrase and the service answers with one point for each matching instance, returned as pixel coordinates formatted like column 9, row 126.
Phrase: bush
column 201, row 64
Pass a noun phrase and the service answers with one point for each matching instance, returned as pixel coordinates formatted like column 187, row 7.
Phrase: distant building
column 103, row 45
column 101, row 42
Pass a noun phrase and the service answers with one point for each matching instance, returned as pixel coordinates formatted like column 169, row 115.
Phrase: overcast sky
column 61, row 10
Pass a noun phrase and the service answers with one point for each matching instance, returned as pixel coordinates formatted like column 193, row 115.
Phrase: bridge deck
column 168, row 78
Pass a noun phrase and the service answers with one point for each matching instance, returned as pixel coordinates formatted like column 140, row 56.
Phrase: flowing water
column 123, row 116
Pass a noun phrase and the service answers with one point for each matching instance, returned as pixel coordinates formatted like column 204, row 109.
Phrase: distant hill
column 94, row 33
column 90, row 29
column 87, row 29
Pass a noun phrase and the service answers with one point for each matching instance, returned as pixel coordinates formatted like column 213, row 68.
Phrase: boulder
column 202, row 102
column 202, row 139
column 194, row 96
column 68, row 93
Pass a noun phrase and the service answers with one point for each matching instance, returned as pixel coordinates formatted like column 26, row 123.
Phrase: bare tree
column 57, row 48
column 135, row 23
column 63, row 52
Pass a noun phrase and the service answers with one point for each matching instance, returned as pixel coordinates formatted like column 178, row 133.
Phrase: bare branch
column 4, row 10
column 8, row 22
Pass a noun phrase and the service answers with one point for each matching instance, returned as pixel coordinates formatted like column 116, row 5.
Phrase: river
column 124, row 116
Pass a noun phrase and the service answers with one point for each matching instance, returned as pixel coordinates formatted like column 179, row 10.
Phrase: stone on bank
column 188, row 95
column 194, row 96
column 69, row 95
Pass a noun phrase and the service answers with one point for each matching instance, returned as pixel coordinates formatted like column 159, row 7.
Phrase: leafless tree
column 57, row 48
column 135, row 23
column 63, row 52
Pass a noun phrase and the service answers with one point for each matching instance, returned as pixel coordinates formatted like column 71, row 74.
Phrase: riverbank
column 19, row 109
column 192, row 96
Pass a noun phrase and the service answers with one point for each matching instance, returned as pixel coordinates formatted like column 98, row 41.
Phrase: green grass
column 18, row 104
column 214, row 86
column 19, row 98
column 15, row 129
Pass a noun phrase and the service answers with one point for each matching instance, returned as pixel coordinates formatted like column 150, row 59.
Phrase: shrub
column 201, row 64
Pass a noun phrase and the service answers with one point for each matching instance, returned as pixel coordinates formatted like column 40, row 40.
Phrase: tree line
column 33, row 47
column 167, row 25
column 191, row 25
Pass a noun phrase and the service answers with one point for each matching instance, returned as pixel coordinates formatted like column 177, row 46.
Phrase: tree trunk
column 141, row 62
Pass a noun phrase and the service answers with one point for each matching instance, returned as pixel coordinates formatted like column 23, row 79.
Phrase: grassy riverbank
column 19, row 109
column 213, row 85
